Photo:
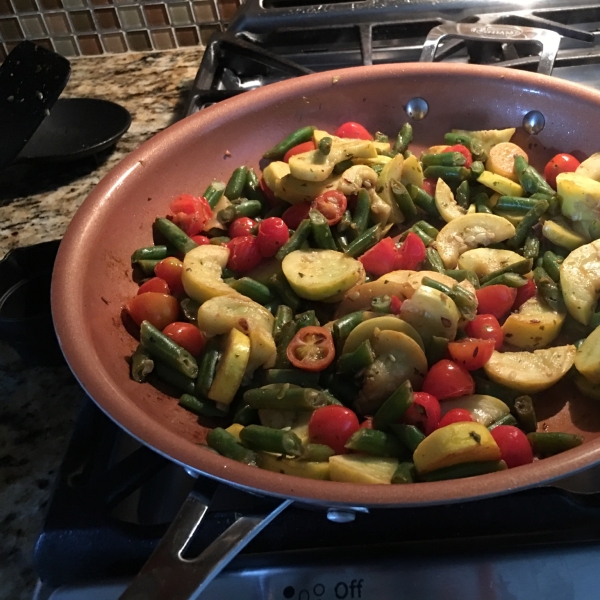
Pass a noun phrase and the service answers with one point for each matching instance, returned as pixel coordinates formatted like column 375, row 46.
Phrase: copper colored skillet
column 92, row 278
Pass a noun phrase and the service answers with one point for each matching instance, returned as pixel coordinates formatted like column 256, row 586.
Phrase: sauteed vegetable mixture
column 362, row 314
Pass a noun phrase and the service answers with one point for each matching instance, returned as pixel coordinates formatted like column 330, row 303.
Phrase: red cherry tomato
column 515, row 448
column 561, row 163
column 188, row 336
column 295, row 214
column 156, row 284
column 332, row 426
column 380, row 259
column 311, row 349
column 242, row 226
column 471, row 353
column 455, row 415
column 332, row 205
column 464, row 151
column 524, row 293
column 395, row 305
column 353, row 130
column 201, row 240
column 170, row 269
column 429, row 185
column 495, row 300
column 299, row 149
column 367, row 423
column 423, row 413
column 244, row 253
column 447, row 379
column 272, row 234
column 158, row 309
column 486, row 327
column 190, row 213
column 411, row 254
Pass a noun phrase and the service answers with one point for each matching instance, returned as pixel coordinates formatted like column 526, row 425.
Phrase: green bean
column 381, row 137
column 550, row 443
column 235, row 185
column 423, row 200
column 360, row 358
column 429, row 229
column 513, row 203
column 341, row 241
column 331, row 399
column 403, row 200
column 364, row 241
column 482, row 203
column 149, row 253
column 531, row 181
column 344, row 325
column 325, row 145
column 296, row 240
column 436, row 349
column 200, row 406
column 490, row 388
column 525, row 413
column 141, row 364
column 279, row 285
column 450, row 175
column 462, row 275
column 548, row 289
column 376, row 168
column 284, row 315
column 252, row 189
column 404, row 138
column 252, row 289
column 248, row 208
column 320, row 230
column 206, row 371
column 244, row 414
column 316, row 453
column 175, row 379
column 505, row 420
column 510, row 279
column 394, row 407
column 227, row 445
column 463, row 194
column 470, row 469
column 443, row 159
column 405, row 473
column 304, row 134
column 267, row 439
column 521, row 267
column 342, row 166
column 361, row 212
column 409, row 435
column 307, row 319
column 433, row 261
column 174, row 235
column 381, row 304
column 345, row 222
column 375, row 443
column 146, row 266
column 284, row 396
column 476, row 170
column 220, row 240
column 531, row 249
column 465, row 301
column 213, row 193
column 426, row 239
column 294, row 376
column 288, row 331
column 552, row 264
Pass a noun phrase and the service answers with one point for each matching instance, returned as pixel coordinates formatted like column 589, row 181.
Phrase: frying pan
column 92, row 278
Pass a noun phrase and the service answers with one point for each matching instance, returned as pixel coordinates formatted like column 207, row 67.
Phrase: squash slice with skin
column 580, row 196
column 230, row 368
column 483, row 408
column 587, row 359
column 360, row 296
column 484, row 261
column 445, row 202
column 366, row 330
column 489, row 137
column 354, row 468
column 410, row 281
column 530, row 372
column 391, row 171
column 293, row 466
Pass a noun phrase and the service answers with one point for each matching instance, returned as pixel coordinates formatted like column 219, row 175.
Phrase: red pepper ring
column 311, row 349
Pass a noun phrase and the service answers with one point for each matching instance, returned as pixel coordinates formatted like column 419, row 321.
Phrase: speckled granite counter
column 38, row 405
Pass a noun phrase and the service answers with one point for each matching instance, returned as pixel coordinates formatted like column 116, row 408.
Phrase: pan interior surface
column 92, row 277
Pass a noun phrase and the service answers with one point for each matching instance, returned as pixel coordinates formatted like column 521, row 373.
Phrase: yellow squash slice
column 487, row 260
column 484, row 409
column 231, row 368
column 366, row 330
column 445, row 202
column 293, row 466
column 353, row 468
column 587, row 359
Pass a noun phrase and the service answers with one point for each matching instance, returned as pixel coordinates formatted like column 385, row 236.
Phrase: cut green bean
column 206, row 371
column 548, row 289
column 344, row 325
column 213, row 193
column 279, row 285
column 342, row 166
column 381, row 304
column 505, row 420
column 320, row 230
column 428, row 228
column 252, row 189
column 404, row 473
column 307, row 319
column 175, row 379
column 174, row 235
column 463, row 195
column 525, row 413
column 451, row 175
column 531, row 181
column 443, row 159
column 463, row 470
column 284, row 315
column 325, row 145
column 141, row 364
column 288, row 331
column 146, row 266
column 465, row 301
column 521, row 267
column 296, row 240
column 409, row 435
column 227, row 445
column 345, row 223
column 316, row 453
column 150, row 253
column 523, row 229
column 531, row 248
column 433, row 261
column 200, row 406
column 360, row 358
column 375, row 443
column 476, row 170
column 509, row 279
column 403, row 200
column 515, row 204
column 235, row 185
column 425, row 238
column 252, row 289
column 381, row 137
column 341, row 241
column 248, row 208
column 267, row 439
column 550, row 443
column 423, row 200
column 403, row 139
column 304, row 134
column 364, row 241
column 462, row 275
column 283, row 396
column 394, row 407
column 361, row 212
column 305, row 379
column 552, row 264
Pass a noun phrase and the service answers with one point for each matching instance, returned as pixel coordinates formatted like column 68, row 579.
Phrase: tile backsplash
column 86, row 27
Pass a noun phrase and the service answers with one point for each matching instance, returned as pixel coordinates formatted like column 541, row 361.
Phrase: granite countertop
column 39, row 404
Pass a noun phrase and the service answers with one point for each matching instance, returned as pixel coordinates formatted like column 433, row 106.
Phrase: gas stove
column 115, row 499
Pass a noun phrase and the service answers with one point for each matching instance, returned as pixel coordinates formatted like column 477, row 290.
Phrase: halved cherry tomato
column 456, row 415
column 244, row 253
column 332, row 205
column 561, row 163
column 158, row 309
column 170, row 269
column 332, row 426
column 395, row 305
column 524, row 293
column 486, row 327
column 447, row 379
column 188, row 336
column 241, row 226
column 380, row 259
column 515, row 449
column 464, row 151
column 201, row 240
column 353, row 130
column 471, row 353
column 410, row 254
column 156, row 284
column 495, row 300
column 190, row 213
column 429, row 185
column 295, row 214
column 423, row 413
column 272, row 234
column 311, row 349
column 299, row 149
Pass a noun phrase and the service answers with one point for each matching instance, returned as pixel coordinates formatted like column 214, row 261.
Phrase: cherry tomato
column 561, row 163
column 332, row 426
column 486, row 327
column 353, row 130
column 471, row 353
column 188, row 336
column 190, row 213
column 423, row 413
column 455, row 415
column 244, row 253
column 524, row 293
column 411, row 254
column 380, row 259
column 242, row 226
column 395, row 305
column 464, row 151
column 295, row 214
column 514, row 446
column 272, row 234
column 268, row 192
column 367, row 423
column 429, row 185
column 158, row 309
column 332, row 205
column 447, row 379
column 170, row 269
column 495, row 300
column 311, row 349
column 201, row 240
column 156, row 284
column 299, row 149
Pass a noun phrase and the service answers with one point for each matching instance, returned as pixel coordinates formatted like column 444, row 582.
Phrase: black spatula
column 31, row 80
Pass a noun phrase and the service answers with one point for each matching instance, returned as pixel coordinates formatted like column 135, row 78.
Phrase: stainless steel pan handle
column 487, row 32
column 168, row 576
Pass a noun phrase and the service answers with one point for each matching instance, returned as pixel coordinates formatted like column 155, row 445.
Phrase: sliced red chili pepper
column 311, row 349
column 411, row 254
column 464, row 151
column 380, row 259
column 524, row 293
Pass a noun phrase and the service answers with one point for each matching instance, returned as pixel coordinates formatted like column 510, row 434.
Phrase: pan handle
column 168, row 576
column 488, row 32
